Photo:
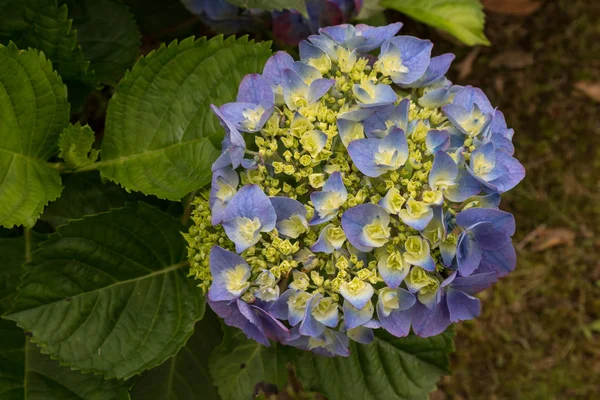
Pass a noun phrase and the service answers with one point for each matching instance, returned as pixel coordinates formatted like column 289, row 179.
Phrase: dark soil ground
column 539, row 333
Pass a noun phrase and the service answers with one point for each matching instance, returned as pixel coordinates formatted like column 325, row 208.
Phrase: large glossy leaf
column 184, row 376
column 45, row 26
column 33, row 112
column 109, row 293
column 85, row 194
column 462, row 18
column 24, row 372
column 240, row 365
column 389, row 368
column 161, row 136
column 108, row 36
column 270, row 5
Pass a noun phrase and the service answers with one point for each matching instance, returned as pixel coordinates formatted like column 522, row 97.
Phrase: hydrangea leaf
column 389, row 368
column 108, row 36
column 85, row 194
column 24, row 371
column 161, row 137
column 463, row 19
column 75, row 146
column 33, row 112
column 184, row 376
column 45, row 26
column 109, row 294
column 270, row 5
column 239, row 364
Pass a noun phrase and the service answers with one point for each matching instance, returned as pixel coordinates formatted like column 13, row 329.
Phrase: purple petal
column 500, row 219
column 275, row 66
column 251, row 202
column 475, row 283
column 430, row 322
column 461, row 306
column 255, row 89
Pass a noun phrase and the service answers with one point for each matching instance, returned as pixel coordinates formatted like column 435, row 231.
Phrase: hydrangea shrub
column 357, row 189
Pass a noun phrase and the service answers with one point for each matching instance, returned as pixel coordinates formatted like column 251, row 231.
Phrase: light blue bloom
column 350, row 124
column 418, row 252
column 248, row 214
column 416, row 214
column 392, row 267
column 438, row 94
column 456, row 303
column 303, row 86
column 362, row 38
column 254, row 105
column 470, row 112
column 355, row 317
column 291, row 216
column 330, row 239
column 321, row 312
column 328, row 201
column 485, row 245
column 384, row 119
column 273, row 72
column 456, row 184
column 437, row 140
column 404, row 58
column 329, row 344
column 436, row 71
column 357, row 292
column 225, row 182
column 393, row 310
column 366, row 226
column 230, row 274
column 374, row 157
column 372, row 94
column 495, row 169
column 233, row 145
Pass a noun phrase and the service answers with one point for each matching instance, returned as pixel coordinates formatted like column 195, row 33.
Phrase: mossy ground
column 539, row 333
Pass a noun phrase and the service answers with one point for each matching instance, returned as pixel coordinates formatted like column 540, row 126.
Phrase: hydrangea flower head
column 354, row 193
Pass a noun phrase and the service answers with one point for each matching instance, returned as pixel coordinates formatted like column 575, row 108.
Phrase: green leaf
column 75, row 146
column 160, row 133
column 33, row 112
column 43, row 25
column 270, row 5
column 85, row 194
column 389, row 368
column 370, row 9
column 239, row 364
column 24, row 371
column 108, row 35
column 109, row 293
column 184, row 376
column 464, row 19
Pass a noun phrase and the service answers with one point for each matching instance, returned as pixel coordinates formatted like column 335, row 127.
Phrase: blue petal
column 514, row 172
column 443, row 172
column 377, row 94
column 376, row 35
column 437, row 141
column 415, row 55
column 323, row 244
column 354, row 317
column 233, row 144
column 222, row 179
column 466, row 186
column 438, row 66
column 221, row 262
column 274, row 329
column 310, row 326
column 398, row 321
column 293, row 87
column 468, row 254
column 306, row 72
column 309, row 52
column 318, row 88
column 468, row 96
column 475, row 283
column 280, row 309
column 501, row 220
column 392, row 277
column 434, row 97
column 361, row 334
column 255, row 89
column 461, row 306
column 251, row 202
column 501, row 261
column 333, row 187
column 430, row 322
column 285, row 207
column 362, row 152
column 502, row 143
column 247, row 117
column 356, row 218
column 499, row 126
column 275, row 66
column 416, row 222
